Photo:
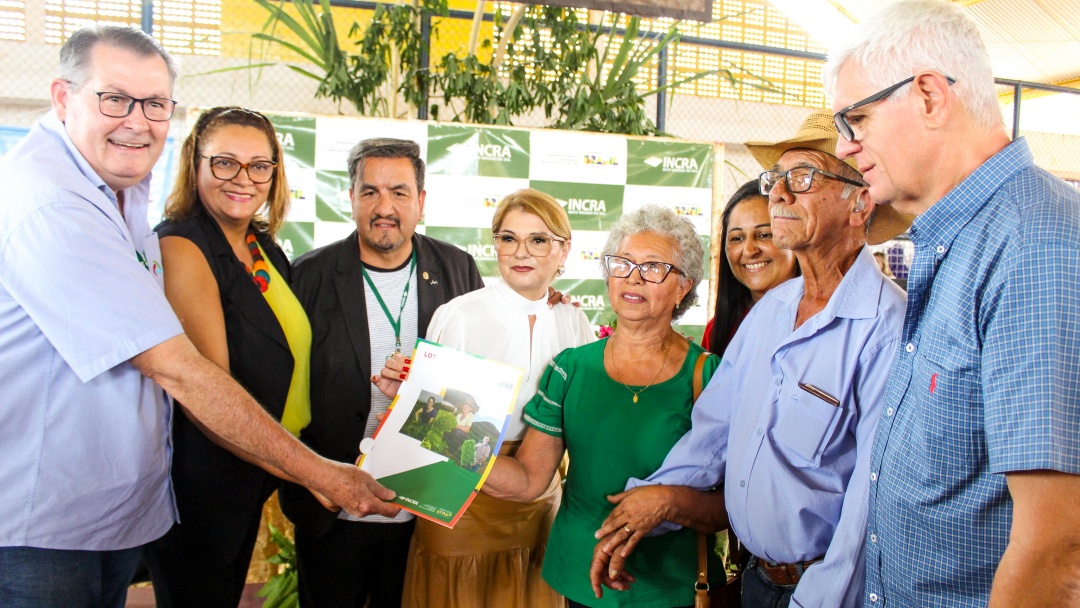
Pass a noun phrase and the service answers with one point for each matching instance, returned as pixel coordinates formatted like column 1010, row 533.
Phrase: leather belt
column 783, row 574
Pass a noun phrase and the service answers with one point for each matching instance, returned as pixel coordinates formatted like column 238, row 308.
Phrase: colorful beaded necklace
column 260, row 271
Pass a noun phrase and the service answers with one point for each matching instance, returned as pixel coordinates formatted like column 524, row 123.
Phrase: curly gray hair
column 689, row 252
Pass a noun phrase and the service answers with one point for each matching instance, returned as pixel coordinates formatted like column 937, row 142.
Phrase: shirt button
column 889, row 411
column 873, row 476
column 873, row 597
column 910, row 347
column 760, row 431
column 779, row 382
column 873, row 538
column 941, row 249
column 742, row 484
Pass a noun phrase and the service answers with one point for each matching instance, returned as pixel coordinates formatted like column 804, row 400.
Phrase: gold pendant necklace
column 667, row 354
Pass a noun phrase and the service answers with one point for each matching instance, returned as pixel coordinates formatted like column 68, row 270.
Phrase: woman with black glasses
column 618, row 406
column 228, row 282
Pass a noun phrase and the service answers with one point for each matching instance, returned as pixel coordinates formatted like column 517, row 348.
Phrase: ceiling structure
column 1031, row 40
column 1034, row 41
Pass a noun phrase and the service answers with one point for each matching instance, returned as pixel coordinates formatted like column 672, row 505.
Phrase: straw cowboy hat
column 819, row 133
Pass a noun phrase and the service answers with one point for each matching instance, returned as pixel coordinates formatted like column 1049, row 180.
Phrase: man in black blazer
column 367, row 296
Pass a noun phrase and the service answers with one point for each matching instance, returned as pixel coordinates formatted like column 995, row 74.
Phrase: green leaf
column 280, row 16
column 627, row 45
column 304, row 72
column 548, row 54
column 649, row 51
column 250, row 66
column 292, row 47
column 281, row 590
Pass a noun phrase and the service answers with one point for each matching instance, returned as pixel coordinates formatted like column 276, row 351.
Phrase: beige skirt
column 492, row 557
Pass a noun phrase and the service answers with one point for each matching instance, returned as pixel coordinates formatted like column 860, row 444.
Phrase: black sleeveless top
column 217, row 494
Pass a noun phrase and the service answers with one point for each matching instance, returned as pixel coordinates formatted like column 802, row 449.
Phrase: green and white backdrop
column 596, row 177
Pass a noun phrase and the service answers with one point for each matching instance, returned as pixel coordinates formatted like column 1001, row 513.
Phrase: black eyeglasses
column 536, row 244
column 225, row 168
column 796, row 180
column 840, row 118
column 118, row 105
column 651, row 272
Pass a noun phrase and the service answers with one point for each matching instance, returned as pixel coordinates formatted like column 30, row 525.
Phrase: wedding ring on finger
column 627, row 530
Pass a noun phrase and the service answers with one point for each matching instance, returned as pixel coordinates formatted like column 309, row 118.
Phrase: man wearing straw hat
column 787, row 421
column 975, row 497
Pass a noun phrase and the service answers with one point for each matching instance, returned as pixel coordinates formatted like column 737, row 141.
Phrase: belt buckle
column 782, row 574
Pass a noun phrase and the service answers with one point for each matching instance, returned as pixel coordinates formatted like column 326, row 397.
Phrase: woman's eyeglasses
column 225, row 168
column 536, row 244
column 651, row 272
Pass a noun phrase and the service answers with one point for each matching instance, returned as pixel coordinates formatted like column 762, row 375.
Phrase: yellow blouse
column 294, row 323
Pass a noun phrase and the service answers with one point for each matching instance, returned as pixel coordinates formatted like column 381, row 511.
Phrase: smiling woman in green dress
column 618, row 406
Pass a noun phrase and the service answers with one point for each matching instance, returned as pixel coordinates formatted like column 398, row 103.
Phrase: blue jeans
column 758, row 590
column 38, row 578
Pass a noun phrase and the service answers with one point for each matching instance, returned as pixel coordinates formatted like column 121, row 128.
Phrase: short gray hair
column 75, row 54
column 386, row 147
column 689, row 252
column 910, row 36
column 845, row 170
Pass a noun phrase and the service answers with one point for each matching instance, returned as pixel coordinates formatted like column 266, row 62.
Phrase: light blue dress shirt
column 84, row 451
column 796, row 467
column 985, row 382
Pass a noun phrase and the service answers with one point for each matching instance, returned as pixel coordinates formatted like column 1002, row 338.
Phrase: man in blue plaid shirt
column 975, row 469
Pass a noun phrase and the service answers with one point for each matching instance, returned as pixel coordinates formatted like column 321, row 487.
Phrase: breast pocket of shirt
column 804, row 425
column 946, row 377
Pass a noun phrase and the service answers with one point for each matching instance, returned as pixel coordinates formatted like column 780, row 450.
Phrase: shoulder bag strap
column 699, row 367
column 701, row 588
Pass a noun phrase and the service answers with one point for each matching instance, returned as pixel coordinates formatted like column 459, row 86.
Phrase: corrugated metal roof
column 1033, row 40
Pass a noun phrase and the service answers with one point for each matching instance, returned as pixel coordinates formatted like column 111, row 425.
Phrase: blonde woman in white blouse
column 493, row 555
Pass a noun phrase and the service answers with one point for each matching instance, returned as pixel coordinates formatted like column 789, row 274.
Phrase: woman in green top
column 617, row 406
